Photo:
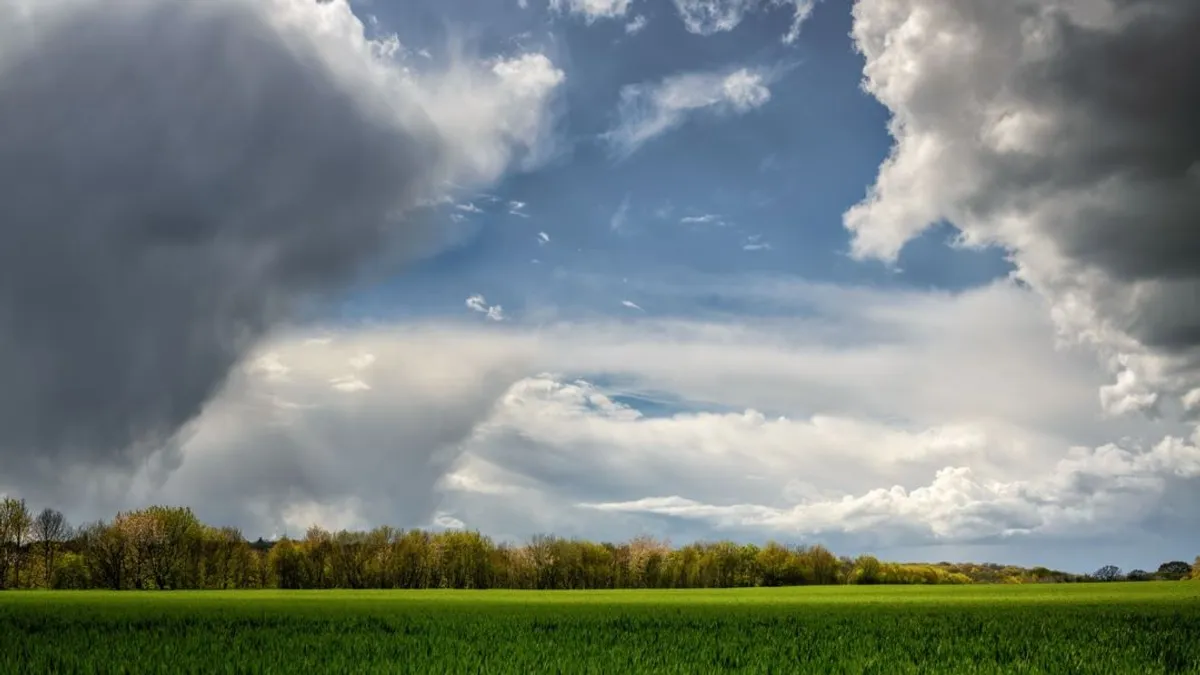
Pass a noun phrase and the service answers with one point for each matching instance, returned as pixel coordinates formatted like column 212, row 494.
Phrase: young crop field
column 1076, row 628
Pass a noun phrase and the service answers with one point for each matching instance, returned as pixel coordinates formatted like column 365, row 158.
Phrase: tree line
column 164, row 547
column 1175, row 570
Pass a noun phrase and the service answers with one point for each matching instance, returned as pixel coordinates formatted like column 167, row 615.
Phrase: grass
column 1077, row 628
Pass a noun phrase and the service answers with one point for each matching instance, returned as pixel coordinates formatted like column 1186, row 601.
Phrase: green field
column 1070, row 628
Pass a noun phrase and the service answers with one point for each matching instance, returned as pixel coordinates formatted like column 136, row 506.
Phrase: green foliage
column 1175, row 570
column 15, row 525
column 868, row 571
column 70, row 573
column 1078, row 628
column 168, row 548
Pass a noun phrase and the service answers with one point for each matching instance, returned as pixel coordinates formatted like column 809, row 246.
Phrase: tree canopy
column 162, row 547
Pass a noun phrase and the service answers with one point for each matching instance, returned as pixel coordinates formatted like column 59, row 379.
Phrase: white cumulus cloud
column 1063, row 132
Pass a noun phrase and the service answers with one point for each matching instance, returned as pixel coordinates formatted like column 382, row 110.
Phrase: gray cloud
column 1127, row 100
column 176, row 178
column 357, row 427
column 180, row 177
column 1065, row 132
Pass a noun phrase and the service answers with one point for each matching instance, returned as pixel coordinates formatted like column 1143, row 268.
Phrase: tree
column 348, row 559
column 317, row 546
column 228, row 559
column 1196, row 569
column 868, row 570
column 286, row 563
column 1139, row 575
column 175, row 553
column 51, row 529
column 824, row 565
column 146, row 543
column 105, row 547
column 15, row 523
column 5, row 544
column 1107, row 573
column 1174, row 570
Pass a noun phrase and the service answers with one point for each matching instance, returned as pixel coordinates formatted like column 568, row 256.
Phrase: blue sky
column 695, row 269
column 760, row 193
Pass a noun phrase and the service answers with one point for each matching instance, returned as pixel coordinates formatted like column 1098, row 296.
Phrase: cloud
column 801, row 11
column 543, row 238
column 708, row 17
column 755, row 243
column 702, row 219
column 636, row 25
column 1065, row 133
column 517, row 209
column 502, row 117
column 591, row 10
column 445, row 521
column 631, row 305
column 179, row 178
column 468, row 207
column 649, row 110
column 620, row 217
column 879, row 444
column 308, row 451
column 477, row 303
column 862, row 418
column 1088, row 493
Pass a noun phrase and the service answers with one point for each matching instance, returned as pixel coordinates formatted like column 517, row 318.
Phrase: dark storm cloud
column 175, row 178
column 1129, row 99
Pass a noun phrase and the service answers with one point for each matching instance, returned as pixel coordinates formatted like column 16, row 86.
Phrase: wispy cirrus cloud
column 755, row 243
column 648, row 110
column 620, row 217
column 703, row 219
column 708, row 17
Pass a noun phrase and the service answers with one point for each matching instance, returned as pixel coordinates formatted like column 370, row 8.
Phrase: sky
column 915, row 278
